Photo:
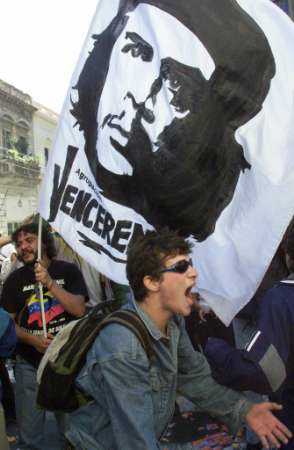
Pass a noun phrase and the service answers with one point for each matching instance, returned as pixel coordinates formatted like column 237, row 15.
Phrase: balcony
column 20, row 167
column 15, row 93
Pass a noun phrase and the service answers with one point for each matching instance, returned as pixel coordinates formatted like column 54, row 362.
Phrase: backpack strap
column 131, row 320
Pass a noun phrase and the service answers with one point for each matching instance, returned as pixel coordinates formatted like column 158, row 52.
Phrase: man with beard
column 159, row 116
column 64, row 299
column 133, row 395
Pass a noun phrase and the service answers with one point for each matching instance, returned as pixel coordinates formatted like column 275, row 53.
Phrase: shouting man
column 134, row 397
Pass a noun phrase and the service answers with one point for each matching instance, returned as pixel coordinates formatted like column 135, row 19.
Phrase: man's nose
column 192, row 272
column 147, row 111
column 23, row 246
column 145, row 108
column 149, row 103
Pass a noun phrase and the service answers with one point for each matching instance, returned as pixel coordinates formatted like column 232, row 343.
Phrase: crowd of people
column 128, row 390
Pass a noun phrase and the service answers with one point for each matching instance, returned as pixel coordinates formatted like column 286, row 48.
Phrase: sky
column 40, row 43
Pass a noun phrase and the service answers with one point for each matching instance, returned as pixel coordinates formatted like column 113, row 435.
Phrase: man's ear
column 151, row 284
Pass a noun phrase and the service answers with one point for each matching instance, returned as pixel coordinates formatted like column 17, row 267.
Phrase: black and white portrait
column 159, row 99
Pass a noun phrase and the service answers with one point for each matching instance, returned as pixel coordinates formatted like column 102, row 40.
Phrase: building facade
column 44, row 129
column 26, row 134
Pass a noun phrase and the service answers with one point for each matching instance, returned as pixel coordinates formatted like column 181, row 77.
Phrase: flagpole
column 40, row 286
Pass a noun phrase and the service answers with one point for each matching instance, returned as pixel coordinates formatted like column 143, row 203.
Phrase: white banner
column 179, row 114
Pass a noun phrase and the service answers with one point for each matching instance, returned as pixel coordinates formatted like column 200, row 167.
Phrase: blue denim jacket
column 7, row 337
column 133, row 400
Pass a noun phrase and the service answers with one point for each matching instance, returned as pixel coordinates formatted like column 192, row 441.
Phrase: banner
column 179, row 114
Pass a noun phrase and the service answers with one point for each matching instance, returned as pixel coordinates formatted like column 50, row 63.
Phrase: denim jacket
column 134, row 399
column 7, row 337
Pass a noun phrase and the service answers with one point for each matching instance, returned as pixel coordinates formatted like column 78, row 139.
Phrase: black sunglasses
column 179, row 267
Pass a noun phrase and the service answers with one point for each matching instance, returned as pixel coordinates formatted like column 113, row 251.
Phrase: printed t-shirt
column 20, row 297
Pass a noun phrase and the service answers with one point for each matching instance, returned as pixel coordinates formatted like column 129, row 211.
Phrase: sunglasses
column 179, row 267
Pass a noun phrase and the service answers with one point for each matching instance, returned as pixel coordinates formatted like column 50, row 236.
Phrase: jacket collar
column 148, row 322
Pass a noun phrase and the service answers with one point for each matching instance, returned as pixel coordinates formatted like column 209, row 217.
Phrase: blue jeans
column 3, row 439
column 30, row 418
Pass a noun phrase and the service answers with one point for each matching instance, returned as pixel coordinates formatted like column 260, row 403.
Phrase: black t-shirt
column 20, row 297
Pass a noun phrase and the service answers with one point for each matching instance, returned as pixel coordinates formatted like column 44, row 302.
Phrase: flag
column 179, row 114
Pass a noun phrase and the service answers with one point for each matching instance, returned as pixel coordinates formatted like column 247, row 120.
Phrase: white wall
column 45, row 124
column 20, row 205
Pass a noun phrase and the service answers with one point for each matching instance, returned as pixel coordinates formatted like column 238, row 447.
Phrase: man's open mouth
column 26, row 255
column 188, row 292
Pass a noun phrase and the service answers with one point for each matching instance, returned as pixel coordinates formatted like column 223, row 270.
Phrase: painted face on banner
column 159, row 100
column 146, row 83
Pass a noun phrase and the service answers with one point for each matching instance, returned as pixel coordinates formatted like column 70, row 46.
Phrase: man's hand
column 41, row 343
column 42, row 275
column 268, row 428
column 74, row 304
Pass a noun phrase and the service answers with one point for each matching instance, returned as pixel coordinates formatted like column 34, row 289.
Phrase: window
column 12, row 226
column 22, row 145
column 7, row 138
column 46, row 153
column 4, row 167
